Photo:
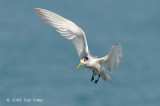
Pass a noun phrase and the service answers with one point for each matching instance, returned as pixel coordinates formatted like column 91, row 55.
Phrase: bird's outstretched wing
column 67, row 29
column 113, row 58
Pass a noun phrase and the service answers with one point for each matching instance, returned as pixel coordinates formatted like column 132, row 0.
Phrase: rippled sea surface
column 36, row 62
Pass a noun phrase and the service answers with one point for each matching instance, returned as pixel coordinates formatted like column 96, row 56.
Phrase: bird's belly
column 94, row 67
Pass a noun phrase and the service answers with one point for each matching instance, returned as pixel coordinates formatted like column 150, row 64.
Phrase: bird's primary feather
column 113, row 58
column 67, row 29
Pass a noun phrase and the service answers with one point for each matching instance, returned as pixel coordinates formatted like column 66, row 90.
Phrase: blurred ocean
column 36, row 62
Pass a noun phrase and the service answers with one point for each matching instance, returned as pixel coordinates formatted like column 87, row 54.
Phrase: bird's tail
column 105, row 76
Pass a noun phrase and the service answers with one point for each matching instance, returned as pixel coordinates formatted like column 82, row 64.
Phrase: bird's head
column 83, row 61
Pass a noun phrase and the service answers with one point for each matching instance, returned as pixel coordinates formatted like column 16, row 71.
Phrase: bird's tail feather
column 105, row 76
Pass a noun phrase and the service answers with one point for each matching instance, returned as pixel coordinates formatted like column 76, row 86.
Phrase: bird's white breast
column 94, row 64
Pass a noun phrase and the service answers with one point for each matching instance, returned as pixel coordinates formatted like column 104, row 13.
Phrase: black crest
column 86, row 58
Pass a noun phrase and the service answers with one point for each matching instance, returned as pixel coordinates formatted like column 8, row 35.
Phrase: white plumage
column 72, row 32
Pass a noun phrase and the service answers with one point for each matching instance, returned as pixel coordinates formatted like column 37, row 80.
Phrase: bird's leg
column 96, row 80
column 92, row 76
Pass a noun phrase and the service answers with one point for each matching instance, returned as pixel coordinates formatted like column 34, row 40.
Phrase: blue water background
column 36, row 62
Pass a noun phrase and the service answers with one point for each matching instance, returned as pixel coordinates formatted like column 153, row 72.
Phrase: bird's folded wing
column 113, row 58
column 67, row 29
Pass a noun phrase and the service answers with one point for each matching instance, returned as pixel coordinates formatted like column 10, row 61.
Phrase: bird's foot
column 92, row 78
column 95, row 81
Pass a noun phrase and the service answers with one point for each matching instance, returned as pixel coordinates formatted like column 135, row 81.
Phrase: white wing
column 66, row 28
column 113, row 58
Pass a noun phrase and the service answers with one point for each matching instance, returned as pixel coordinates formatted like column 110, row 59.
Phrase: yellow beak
column 79, row 65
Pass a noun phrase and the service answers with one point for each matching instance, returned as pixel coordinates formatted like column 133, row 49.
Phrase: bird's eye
column 85, row 58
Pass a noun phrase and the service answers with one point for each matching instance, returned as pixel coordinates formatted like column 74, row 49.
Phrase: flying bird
column 73, row 32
